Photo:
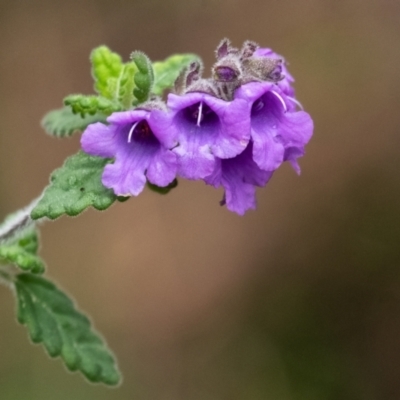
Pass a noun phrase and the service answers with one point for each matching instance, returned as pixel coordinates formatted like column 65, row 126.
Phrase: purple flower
column 139, row 143
column 278, row 134
column 206, row 127
column 239, row 176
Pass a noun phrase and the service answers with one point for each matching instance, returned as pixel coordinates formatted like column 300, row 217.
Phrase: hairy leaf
column 52, row 319
column 84, row 105
column 19, row 242
column 74, row 187
column 166, row 72
column 63, row 122
column 106, row 69
column 126, row 85
column 143, row 78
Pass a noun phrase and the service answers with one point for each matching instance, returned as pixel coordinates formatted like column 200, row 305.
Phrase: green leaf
column 106, row 69
column 126, row 85
column 52, row 319
column 63, row 122
column 74, row 187
column 84, row 105
column 143, row 78
column 166, row 72
column 162, row 190
column 19, row 243
column 22, row 252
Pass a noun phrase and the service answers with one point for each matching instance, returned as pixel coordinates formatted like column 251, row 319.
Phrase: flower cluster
column 231, row 130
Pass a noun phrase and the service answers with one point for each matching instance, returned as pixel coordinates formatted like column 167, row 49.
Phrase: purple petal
column 296, row 128
column 234, row 134
column 239, row 197
column 273, row 128
column 136, row 149
column 123, row 179
column 239, row 176
column 137, row 143
column 163, row 168
column 194, row 162
column 124, row 118
column 291, row 155
column 161, row 123
column 207, row 127
column 99, row 140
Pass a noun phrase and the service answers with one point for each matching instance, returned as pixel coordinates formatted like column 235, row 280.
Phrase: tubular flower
column 232, row 129
column 278, row 133
column 239, row 176
column 206, row 127
column 139, row 143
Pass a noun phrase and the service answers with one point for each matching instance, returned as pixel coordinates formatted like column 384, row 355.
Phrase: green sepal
column 106, row 69
column 162, row 190
column 122, row 199
column 19, row 243
column 52, row 319
column 167, row 71
column 63, row 122
column 74, row 187
column 143, row 78
column 84, row 105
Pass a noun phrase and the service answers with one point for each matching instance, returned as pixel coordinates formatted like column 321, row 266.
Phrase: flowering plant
column 232, row 129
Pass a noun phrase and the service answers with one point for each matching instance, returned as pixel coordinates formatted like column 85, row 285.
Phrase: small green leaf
column 143, row 78
column 52, row 319
column 162, row 190
column 166, row 72
column 126, row 85
column 84, row 105
column 74, row 187
column 63, row 122
column 106, row 69
column 19, row 243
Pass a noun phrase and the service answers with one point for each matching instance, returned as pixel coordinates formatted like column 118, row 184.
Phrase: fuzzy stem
column 21, row 220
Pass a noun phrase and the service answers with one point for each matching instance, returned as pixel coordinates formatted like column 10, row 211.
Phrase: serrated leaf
column 84, row 105
column 162, row 190
column 63, row 122
column 143, row 78
column 166, row 72
column 52, row 319
column 74, row 187
column 106, row 68
column 19, row 242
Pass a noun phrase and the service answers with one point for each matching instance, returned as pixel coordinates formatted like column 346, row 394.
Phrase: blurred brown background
column 298, row 300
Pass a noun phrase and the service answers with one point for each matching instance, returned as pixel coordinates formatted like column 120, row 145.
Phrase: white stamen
column 199, row 115
column 296, row 102
column 280, row 99
column 131, row 131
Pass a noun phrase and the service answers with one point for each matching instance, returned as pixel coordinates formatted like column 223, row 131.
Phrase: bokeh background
column 297, row 300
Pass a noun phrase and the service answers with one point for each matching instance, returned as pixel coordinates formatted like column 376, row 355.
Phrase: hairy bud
column 248, row 49
column 262, row 68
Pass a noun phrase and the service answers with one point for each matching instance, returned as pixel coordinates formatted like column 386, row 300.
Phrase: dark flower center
column 141, row 132
column 200, row 114
column 268, row 109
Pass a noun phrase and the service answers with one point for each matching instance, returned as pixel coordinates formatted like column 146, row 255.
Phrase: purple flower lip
column 278, row 132
column 239, row 177
column 206, row 127
column 139, row 145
